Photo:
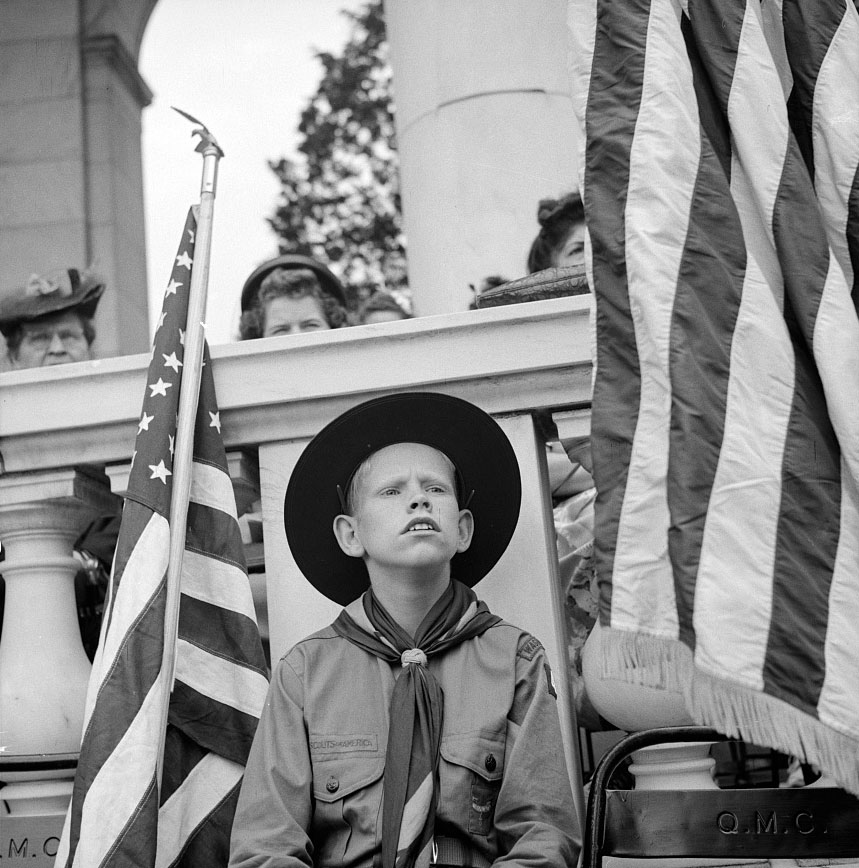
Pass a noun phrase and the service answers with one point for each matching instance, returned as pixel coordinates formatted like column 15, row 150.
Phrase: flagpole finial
column 207, row 140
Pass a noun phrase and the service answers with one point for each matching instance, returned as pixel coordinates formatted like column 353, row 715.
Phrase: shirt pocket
column 471, row 772
column 347, row 793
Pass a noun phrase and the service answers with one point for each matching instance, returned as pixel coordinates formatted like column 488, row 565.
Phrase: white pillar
column 485, row 129
column 295, row 607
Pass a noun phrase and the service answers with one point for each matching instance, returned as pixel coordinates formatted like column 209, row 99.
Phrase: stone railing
column 59, row 427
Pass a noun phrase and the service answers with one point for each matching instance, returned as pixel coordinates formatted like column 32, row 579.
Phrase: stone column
column 485, row 129
column 114, row 95
column 43, row 668
column 41, row 140
column 70, row 156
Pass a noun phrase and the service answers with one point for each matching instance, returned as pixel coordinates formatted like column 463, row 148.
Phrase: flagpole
column 187, row 414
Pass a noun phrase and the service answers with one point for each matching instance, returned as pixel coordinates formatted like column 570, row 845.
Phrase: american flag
column 719, row 174
column 118, row 814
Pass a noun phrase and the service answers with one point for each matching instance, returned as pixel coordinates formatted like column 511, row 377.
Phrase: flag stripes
column 217, row 678
column 613, row 101
column 213, row 720
column 189, row 806
column 146, row 568
column 211, row 486
column 719, row 174
column 100, row 835
column 212, row 581
column 214, row 533
column 119, row 815
column 206, row 626
column 759, row 395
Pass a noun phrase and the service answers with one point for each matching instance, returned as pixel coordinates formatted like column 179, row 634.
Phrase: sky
column 245, row 69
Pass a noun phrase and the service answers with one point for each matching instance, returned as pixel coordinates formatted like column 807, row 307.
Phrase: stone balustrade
column 274, row 395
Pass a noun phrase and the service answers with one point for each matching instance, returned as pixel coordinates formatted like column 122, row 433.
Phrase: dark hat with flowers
column 54, row 292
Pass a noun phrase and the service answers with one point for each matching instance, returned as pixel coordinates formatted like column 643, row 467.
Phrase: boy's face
column 405, row 514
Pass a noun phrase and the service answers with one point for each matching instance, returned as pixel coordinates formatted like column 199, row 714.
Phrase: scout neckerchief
column 417, row 704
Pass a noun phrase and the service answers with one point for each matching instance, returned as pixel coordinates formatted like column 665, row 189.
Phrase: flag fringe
column 645, row 659
column 759, row 718
column 736, row 711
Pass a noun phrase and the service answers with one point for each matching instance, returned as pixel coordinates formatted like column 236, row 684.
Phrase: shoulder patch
column 529, row 646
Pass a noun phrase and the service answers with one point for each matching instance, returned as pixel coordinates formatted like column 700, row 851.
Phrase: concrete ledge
column 525, row 356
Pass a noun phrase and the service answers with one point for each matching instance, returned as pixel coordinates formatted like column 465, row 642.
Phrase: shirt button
column 332, row 785
column 489, row 762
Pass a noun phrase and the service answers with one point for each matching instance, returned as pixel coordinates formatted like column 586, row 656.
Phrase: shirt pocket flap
column 338, row 777
column 481, row 752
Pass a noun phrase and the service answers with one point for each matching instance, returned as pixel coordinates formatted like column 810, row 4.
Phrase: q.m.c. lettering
column 766, row 823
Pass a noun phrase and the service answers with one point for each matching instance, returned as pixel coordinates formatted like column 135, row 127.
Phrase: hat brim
column 473, row 441
column 329, row 283
column 21, row 308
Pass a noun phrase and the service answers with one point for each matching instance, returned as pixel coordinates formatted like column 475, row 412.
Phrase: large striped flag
column 119, row 815
column 719, row 176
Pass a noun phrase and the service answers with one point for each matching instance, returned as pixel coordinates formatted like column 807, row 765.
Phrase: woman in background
column 291, row 294
column 561, row 239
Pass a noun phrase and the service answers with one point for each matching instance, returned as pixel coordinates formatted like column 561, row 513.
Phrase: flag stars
column 172, row 440
column 159, row 388
column 182, row 337
column 172, row 362
column 172, row 287
column 184, row 261
column 161, row 320
column 160, row 471
column 216, row 420
column 143, row 425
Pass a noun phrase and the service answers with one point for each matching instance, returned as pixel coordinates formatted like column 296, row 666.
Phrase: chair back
column 806, row 822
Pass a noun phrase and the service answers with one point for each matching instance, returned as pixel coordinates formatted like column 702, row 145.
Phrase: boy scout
column 418, row 728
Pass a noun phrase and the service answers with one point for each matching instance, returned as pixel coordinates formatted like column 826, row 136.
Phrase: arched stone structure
column 485, row 130
column 70, row 154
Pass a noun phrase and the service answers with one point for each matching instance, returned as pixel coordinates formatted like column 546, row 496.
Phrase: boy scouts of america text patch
column 320, row 745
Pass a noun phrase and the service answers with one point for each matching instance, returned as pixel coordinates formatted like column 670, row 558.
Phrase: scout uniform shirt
column 312, row 790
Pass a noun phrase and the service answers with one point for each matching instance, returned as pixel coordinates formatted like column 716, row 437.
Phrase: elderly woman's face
column 52, row 340
column 289, row 316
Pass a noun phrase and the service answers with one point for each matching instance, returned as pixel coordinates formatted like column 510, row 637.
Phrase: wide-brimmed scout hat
column 329, row 283
column 51, row 293
column 488, row 482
